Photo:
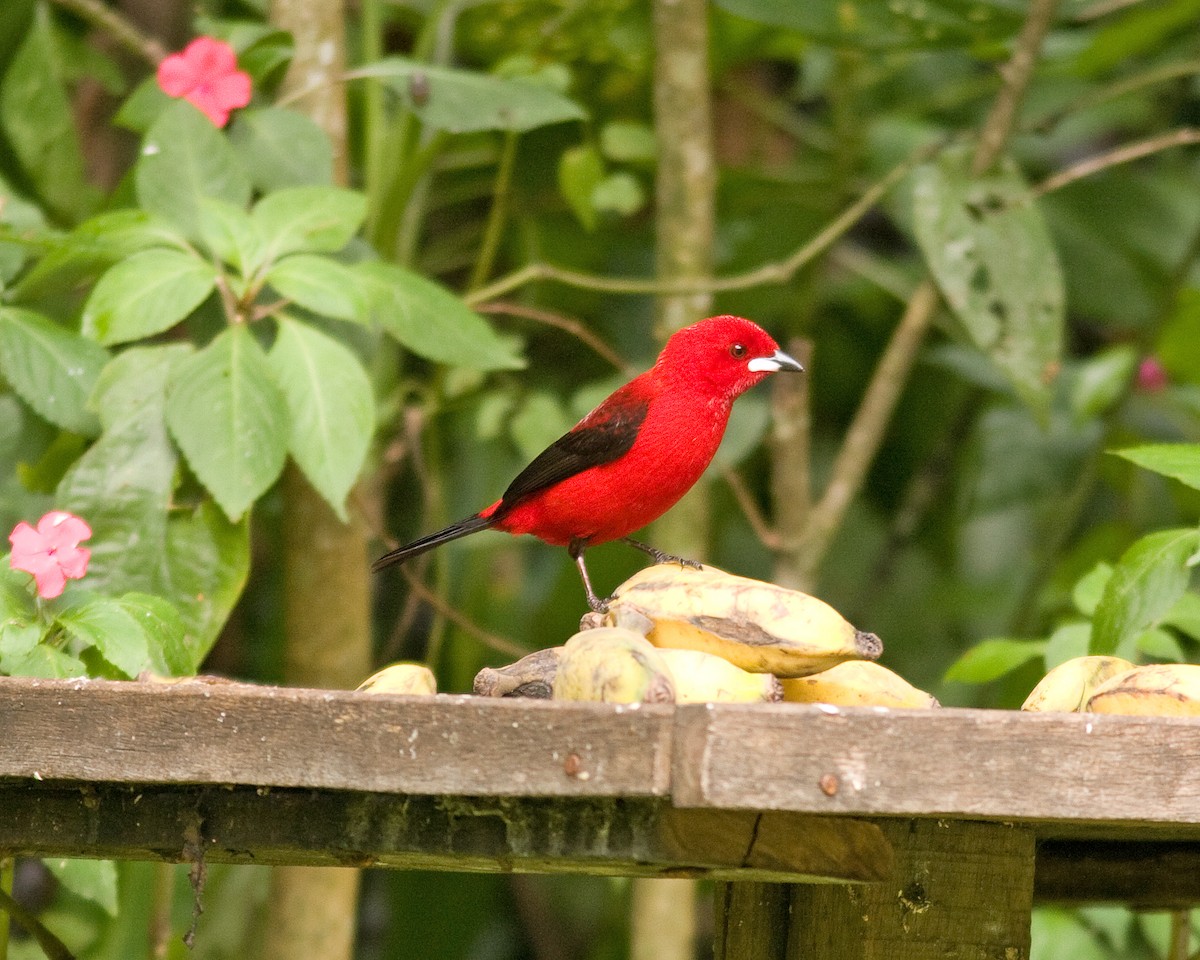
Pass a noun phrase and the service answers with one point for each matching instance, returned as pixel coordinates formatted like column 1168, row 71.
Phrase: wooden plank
column 111, row 732
column 1145, row 875
column 751, row 921
column 958, row 889
column 975, row 764
column 597, row 835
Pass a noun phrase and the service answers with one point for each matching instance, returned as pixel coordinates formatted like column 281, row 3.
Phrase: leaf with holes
column 991, row 254
column 228, row 416
column 330, row 406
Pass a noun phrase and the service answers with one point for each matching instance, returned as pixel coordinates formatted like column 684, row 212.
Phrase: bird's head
column 724, row 355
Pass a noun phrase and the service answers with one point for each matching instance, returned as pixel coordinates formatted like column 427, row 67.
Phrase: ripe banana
column 614, row 666
column 705, row 678
column 531, row 676
column 1156, row 690
column 757, row 626
column 1068, row 686
column 857, row 683
column 414, row 679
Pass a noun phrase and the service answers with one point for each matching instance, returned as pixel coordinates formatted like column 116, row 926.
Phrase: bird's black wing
column 600, row 438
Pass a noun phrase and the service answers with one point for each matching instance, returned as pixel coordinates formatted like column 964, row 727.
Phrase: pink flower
column 1152, row 376
column 51, row 552
column 205, row 74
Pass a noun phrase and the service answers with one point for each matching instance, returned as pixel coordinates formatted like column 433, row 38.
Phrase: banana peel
column 1068, row 686
column 857, row 683
column 612, row 665
column 531, row 676
column 706, row 678
column 410, row 679
column 1155, row 690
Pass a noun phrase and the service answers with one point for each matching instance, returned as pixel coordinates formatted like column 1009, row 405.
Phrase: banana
column 857, row 683
column 531, row 676
column 612, row 665
column 705, row 678
column 757, row 626
column 1068, row 686
column 1156, row 690
column 414, row 679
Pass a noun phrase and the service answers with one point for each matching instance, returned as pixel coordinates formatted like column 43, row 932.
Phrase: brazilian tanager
column 629, row 460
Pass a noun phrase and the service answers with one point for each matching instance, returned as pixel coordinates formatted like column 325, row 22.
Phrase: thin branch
column 501, row 197
column 1129, row 84
column 110, row 21
column 1183, row 137
column 758, row 522
column 51, row 946
column 780, row 271
column 569, row 324
column 494, row 641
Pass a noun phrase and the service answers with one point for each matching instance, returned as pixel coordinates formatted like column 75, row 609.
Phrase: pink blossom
column 1152, row 376
column 51, row 552
column 205, row 74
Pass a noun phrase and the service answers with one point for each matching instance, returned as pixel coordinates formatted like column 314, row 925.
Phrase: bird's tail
column 461, row 529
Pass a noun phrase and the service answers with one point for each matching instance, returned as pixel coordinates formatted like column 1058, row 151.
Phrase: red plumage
column 629, row 460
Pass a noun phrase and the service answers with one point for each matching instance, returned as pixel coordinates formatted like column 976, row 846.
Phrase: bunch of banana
column 757, row 626
column 531, row 676
column 414, row 679
column 1156, row 690
column 706, row 678
column 612, row 665
column 857, row 683
column 1068, row 686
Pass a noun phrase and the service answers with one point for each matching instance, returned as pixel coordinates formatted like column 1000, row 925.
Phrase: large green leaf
column 228, row 416
column 94, row 880
column 184, row 157
column 989, row 250
column 1178, row 460
column 230, row 235
column 52, row 369
column 1147, row 581
column 991, row 659
column 164, row 627
column 319, row 284
column 430, row 321
column 115, row 633
column 309, row 219
column 281, row 148
column 462, row 101
column 123, row 486
column 35, row 113
column 146, row 294
column 330, row 406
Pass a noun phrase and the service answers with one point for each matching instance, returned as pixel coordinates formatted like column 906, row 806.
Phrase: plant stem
column 52, row 947
column 108, row 20
column 1183, row 137
column 498, row 214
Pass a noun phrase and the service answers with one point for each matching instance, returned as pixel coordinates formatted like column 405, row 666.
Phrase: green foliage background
column 183, row 309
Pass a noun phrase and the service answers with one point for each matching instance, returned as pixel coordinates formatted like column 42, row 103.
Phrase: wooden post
column 958, row 889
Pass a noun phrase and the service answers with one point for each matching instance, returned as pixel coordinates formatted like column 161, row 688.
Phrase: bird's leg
column 660, row 557
column 575, row 549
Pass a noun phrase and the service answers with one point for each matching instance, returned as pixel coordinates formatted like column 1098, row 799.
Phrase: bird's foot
column 599, row 606
column 661, row 557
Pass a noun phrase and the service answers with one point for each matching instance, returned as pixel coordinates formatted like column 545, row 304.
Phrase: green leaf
column 52, row 369
column 142, row 107
column 1161, row 645
column 309, row 219
column 146, row 294
column 991, row 254
column 123, row 485
column 540, row 421
column 184, row 158
column 18, row 639
column 93, row 880
column 46, row 662
column 431, row 321
column 1090, row 588
column 331, row 408
column 165, row 629
column 620, row 193
column 115, row 633
column 1178, row 460
column 1069, row 641
column 991, row 659
column 281, row 148
column 1147, row 581
column 1184, row 616
column 1101, row 381
column 462, row 101
column 18, row 217
column 229, row 418
column 229, row 234
column 36, row 116
column 627, row 142
column 321, row 285
column 580, row 170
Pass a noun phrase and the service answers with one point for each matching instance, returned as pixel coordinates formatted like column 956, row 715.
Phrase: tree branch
column 492, row 640
column 572, row 326
column 110, row 21
column 1185, row 136
column 51, row 946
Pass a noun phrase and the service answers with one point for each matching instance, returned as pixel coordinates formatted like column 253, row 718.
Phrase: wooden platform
column 936, row 814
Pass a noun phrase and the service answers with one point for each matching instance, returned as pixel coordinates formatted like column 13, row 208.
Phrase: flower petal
column 210, row 57
column 73, row 562
column 63, row 530
column 176, row 75
column 232, row 91
column 25, row 540
column 203, row 100
column 50, row 582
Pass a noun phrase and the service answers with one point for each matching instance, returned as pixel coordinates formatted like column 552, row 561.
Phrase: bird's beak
column 775, row 362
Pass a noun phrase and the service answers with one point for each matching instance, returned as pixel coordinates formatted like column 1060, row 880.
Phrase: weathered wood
column 1147, row 875
column 104, row 731
column 632, row 837
column 959, row 889
column 971, row 764
column 752, row 921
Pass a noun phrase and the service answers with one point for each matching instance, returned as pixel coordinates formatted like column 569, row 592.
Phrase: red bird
column 629, row 460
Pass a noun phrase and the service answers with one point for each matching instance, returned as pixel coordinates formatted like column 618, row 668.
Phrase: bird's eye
column 737, row 351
